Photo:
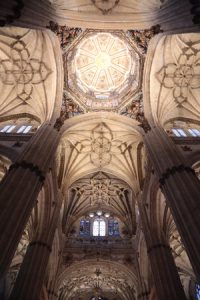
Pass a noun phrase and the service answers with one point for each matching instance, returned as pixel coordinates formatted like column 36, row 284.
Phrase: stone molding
column 171, row 171
column 28, row 165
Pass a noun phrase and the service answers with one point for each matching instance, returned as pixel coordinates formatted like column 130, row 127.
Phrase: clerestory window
column 99, row 227
column 16, row 128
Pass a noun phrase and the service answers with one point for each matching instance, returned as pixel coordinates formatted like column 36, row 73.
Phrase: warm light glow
column 102, row 61
column 107, row 215
column 99, row 227
column 99, row 213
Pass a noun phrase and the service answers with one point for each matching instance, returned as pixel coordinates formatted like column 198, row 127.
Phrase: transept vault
column 99, row 150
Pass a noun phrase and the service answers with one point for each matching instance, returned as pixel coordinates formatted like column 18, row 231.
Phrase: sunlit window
column 8, row 128
column 24, row 129
column 194, row 132
column 179, row 132
column 186, row 132
column 99, row 227
column 21, row 129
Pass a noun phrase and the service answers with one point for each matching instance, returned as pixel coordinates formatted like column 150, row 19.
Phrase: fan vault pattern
column 175, row 78
column 27, row 69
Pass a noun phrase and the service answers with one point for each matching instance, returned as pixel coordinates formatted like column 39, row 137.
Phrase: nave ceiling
column 100, row 157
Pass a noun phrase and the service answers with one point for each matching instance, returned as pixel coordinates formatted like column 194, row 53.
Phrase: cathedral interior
column 100, row 150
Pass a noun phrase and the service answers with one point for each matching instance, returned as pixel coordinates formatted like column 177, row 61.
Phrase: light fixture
column 91, row 215
column 99, row 213
column 107, row 215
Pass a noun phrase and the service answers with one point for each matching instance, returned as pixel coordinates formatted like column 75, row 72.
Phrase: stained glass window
column 99, row 227
column 84, row 227
column 198, row 291
column 113, row 227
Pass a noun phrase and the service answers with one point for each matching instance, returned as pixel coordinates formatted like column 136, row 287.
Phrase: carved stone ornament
column 22, row 71
column 65, row 34
column 145, row 124
column 143, row 37
column 183, row 76
column 105, row 6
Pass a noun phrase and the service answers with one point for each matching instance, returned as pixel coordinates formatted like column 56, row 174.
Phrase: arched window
column 16, row 128
column 179, row 132
column 84, row 228
column 197, row 291
column 8, row 128
column 186, row 132
column 194, row 132
column 99, row 227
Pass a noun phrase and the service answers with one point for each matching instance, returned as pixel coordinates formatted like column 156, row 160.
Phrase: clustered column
column 142, row 293
column 19, row 190
column 181, row 188
column 32, row 272
column 164, row 271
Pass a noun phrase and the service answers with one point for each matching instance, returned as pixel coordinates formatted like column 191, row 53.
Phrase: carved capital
column 41, row 244
column 172, row 171
column 26, row 165
column 59, row 123
column 145, row 125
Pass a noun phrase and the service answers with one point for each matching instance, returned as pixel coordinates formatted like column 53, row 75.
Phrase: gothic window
column 99, row 227
column 197, row 291
column 179, row 132
column 183, row 133
column 8, row 128
column 24, row 129
column 16, row 129
column 84, row 228
column 194, row 132
column 113, row 227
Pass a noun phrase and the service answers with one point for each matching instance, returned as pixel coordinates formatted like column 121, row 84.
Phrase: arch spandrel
column 173, row 68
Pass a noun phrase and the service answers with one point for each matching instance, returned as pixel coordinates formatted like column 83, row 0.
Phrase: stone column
column 19, row 190
column 164, row 271
column 32, row 272
column 142, row 293
column 181, row 188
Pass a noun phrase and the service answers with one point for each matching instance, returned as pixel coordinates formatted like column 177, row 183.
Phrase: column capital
column 28, row 165
column 41, row 244
column 175, row 169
